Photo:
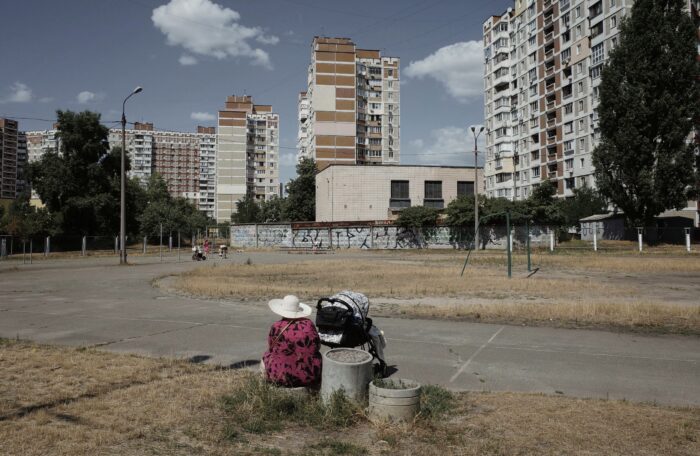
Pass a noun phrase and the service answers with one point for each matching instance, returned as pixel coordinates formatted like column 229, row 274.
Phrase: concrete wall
column 373, row 237
column 348, row 193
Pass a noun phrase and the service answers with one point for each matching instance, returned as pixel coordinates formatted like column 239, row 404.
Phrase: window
column 399, row 194
column 569, row 127
column 613, row 22
column 595, row 72
column 569, row 164
column 568, row 146
column 598, row 54
column 465, row 188
column 569, row 108
column 535, row 171
column 433, row 195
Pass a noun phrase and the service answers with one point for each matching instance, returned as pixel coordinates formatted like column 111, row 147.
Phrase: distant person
column 293, row 357
column 206, row 246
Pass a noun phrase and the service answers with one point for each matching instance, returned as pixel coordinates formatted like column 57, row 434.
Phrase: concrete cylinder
column 350, row 376
column 401, row 402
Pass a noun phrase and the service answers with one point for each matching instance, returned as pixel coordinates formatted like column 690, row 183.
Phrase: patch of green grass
column 332, row 447
column 435, row 402
column 390, row 383
column 258, row 407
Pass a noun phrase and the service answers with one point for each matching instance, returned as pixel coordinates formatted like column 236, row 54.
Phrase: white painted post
column 256, row 235
column 47, row 247
column 551, row 241
column 84, row 250
column 170, row 243
column 145, row 240
column 639, row 238
column 595, row 237
column 687, row 239
column 510, row 240
column 116, row 244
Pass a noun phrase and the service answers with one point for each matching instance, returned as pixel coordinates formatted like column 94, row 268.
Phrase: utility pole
column 476, row 185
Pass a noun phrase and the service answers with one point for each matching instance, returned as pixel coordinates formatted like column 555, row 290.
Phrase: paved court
column 95, row 302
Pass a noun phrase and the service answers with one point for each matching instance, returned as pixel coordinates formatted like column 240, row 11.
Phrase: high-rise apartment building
column 207, row 170
column 542, row 75
column 247, row 161
column 139, row 148
column 22, row 161
column 8, row 158
column 350, row 112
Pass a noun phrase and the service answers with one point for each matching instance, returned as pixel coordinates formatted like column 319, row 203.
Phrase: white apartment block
column 139, row 148
column 350, row 112
column 543, row 61
column 247, row 160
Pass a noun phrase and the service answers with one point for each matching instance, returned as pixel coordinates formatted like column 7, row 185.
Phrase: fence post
column 116, row 244
column 510, row 245
column 24, row 251
column 3, row 248
column 639, row 238
column 170, row 242
column 160, row 246
column 256, row 235
column 178, row 246
column 47, row 247
column 31, row 248
column 84, row 249
column 687, row 239
column 551, row 240
column 12, row 245
column 145, row 240
column 527, row 229
column 595, row 236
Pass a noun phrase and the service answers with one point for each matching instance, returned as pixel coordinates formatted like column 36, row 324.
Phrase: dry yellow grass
column 433, row 288
column 178, row 412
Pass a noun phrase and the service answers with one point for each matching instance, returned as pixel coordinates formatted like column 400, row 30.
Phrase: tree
column 272, row 210
column 650, row 96
column 421, row 220
column 247, row 210
column 584, row 203
column 300, row 204
column 173, row 214
column 26, row 221
column 542, row 205
column 80, row 184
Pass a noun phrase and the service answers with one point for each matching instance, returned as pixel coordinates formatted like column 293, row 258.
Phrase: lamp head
column 473, row 129
column 481, row 129
column 138, row 89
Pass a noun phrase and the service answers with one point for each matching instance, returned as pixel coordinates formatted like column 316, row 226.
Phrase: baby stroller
column 197, row 254
column 342, row 321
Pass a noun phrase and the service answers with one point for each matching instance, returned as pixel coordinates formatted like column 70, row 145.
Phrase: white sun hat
column 289, row 307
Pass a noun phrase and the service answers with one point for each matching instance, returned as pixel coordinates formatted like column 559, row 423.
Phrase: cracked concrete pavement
column 95, row 302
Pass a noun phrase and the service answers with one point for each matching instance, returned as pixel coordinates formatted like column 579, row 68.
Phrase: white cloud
column 458, row 67
column 86, row 97
column 452, row 146
column 187, row 60
column 19, row 93
column 206, row 28
column 202, row 116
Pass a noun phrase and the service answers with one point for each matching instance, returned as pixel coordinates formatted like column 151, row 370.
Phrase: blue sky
column 190, row 54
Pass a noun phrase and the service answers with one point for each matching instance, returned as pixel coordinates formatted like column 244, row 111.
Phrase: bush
column 435, row 402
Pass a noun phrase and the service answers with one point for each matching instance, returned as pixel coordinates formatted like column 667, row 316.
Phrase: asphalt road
column 94, row 302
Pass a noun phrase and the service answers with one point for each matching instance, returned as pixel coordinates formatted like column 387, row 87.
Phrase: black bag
column 331, row 317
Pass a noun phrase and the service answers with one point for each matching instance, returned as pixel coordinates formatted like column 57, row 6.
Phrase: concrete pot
column 352, row 377
column 390, row 404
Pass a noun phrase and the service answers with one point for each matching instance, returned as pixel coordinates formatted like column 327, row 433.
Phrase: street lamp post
column 122, row 178
column 476, row 134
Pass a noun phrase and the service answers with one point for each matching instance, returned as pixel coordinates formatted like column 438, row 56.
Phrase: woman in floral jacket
column 293, row 358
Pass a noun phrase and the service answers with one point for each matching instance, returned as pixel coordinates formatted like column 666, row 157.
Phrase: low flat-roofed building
column 361, row 193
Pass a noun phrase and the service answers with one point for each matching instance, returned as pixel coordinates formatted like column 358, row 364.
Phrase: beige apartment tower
column 542, row 75
column 350, row 113
column 247, row 159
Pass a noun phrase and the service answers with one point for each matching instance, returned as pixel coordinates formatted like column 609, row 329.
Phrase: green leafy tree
column 585, row 202
column 650, row 96
column 421, row 220
column 247, row 211
column 26, row 221
column 300, row 204
column 272, row 210
column 542, row 206
column 80, row 184
column 174, row 214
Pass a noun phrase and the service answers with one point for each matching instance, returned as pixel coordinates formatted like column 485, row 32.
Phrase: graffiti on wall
column 243, row 235
column 311, row 237
column 274, row 236
column 352, row 238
